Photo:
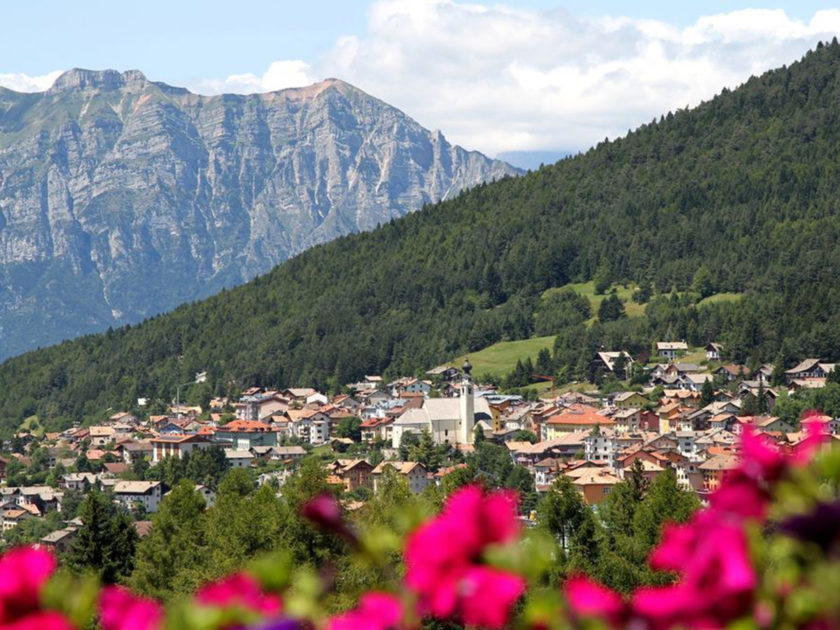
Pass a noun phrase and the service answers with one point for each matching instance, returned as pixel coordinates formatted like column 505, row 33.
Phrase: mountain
column 736, row 195
column 121, row 197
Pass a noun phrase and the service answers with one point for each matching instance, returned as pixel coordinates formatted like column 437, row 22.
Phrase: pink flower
column 376, row 611
column 23, row 573
column 587, row 598
column 120, row 609
column 761, row 460
column 717, row 579
column 239, row 590
column 740, row 497
column 487, row 596
column 40, row 620
column 325, row 511
column 816, row 433
column 443, row 558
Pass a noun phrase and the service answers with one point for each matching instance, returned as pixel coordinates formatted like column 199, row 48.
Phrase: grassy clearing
column 500, row 358
column 587, row 290
column 721, row 297
column 33, row 425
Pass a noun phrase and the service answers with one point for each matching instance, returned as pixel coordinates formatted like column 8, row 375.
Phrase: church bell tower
column 467, row 396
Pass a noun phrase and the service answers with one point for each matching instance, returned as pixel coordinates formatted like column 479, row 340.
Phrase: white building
column 145, row 493
column 448, row 420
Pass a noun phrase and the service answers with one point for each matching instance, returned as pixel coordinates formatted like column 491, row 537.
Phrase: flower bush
column 764, row 553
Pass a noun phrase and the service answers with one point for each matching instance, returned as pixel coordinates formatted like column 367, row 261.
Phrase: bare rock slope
column 121, row 198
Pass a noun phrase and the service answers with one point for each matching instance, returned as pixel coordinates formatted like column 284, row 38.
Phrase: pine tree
column 561, row 511
column 105, row 543
column 427, row 452
column 707, row 393
column 170, row 559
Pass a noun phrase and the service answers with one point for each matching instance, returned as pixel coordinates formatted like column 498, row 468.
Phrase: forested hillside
column 739, row 193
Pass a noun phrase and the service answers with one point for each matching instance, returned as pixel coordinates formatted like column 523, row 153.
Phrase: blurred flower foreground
column 762, row 554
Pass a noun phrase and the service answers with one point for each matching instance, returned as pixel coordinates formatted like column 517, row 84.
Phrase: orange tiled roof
column 581, row 415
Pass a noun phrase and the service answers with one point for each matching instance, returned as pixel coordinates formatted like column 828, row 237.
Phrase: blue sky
column 516, row 75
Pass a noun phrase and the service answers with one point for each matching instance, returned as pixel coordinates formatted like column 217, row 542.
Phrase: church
column 448, row 420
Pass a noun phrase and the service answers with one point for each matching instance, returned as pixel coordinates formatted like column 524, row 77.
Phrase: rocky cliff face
column 121, row 198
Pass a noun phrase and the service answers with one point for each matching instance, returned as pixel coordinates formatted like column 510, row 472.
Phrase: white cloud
column 498, row 78
column 280, row 74
column 25, row 83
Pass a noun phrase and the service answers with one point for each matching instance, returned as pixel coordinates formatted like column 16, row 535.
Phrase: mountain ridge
column 736, row 195
column 144, row 196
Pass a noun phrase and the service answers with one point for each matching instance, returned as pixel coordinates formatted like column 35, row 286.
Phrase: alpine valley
column 121, row 198
column 721, row 221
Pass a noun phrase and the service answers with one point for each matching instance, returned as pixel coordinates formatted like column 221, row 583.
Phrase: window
column 607, row 489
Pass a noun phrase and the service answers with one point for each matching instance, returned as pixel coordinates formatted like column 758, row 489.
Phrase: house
column 132, row 493
column 61, row 539
column 809, row 369
column 238, row 458
column 177, row 445
column 135, row 450
column 600, row 446
column 376, row 429
column 595, row 484
column 728, row 373
column 101, row 435
column 288, row 453
column 298, row 394
column 114, row 468
column 444, row 373
column 347, row 402
column 575, row 418
column 630, row 400
column 716, row 468
column 302, row 425
column 567, row 445
column 354, row 473
column 545, row 471
column 79, row 482
column 207, row 494
column 414, row 472
column 713, row 351
column 694, row 381
column 670, row 349
column 13, row 517
column 245, row 434
column 605, row 363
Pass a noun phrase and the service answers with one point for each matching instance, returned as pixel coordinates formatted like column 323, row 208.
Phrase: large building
column 448, row 420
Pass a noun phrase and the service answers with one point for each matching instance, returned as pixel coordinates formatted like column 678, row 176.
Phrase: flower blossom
column 120, row 609
column 443, row 559
column 587, row 598
column 376, row 611
column 239, row 590
column 23, row 573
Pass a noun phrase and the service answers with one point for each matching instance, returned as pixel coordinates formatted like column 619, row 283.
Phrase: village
column 686, row 418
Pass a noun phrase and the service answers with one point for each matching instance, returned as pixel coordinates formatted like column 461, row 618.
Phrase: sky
column 512, row 75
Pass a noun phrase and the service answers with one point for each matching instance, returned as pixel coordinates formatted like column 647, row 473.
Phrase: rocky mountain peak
column 116, row 204
column 104, row 80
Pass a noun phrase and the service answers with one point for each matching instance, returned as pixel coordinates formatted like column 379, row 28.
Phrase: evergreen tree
column 561, row 511
column 545, row 366
column 707, row 393
column 478, row 436
column 105, row 543
column 611, row 309
column 171, row 559
column 426, row 452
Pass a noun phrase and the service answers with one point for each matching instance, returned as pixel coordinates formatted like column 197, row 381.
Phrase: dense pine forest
column 736, row 195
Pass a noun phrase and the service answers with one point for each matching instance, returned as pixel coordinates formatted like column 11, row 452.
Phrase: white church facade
column 448, row 420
